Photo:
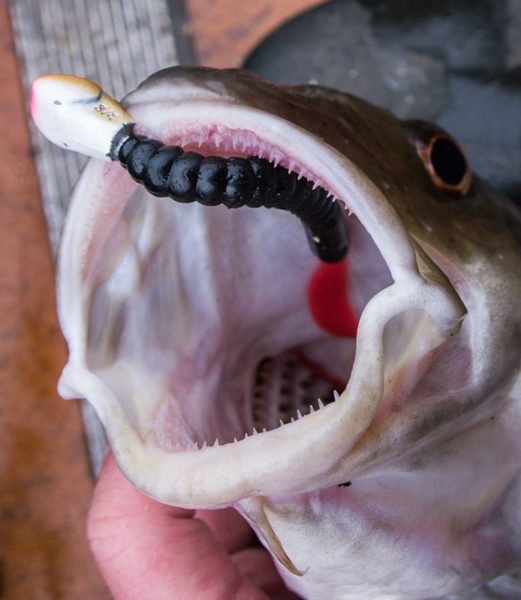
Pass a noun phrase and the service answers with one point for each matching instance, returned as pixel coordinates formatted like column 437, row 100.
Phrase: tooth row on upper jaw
column 299, row 415
column 245, row 143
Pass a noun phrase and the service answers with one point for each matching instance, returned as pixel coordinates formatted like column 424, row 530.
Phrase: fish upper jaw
column 298, row 455
column 177, row 122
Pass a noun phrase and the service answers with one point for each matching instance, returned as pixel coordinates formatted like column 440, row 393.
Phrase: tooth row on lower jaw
column 320, row 406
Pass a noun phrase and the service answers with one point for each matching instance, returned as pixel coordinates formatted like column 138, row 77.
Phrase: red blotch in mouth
column 329, row 302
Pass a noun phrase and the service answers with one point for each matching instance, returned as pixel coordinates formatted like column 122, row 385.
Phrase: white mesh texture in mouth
column 284, row 387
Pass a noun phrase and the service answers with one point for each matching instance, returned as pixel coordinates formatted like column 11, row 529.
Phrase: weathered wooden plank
column 45, row 486
column 115, row 42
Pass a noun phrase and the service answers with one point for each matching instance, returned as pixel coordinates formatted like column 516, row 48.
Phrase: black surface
column 454, row 62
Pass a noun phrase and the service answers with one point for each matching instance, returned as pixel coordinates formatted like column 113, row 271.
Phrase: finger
column 229, row 528
column 257, row 565
column 148, row 550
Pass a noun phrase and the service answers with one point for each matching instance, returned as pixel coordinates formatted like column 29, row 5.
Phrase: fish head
column 204, row 337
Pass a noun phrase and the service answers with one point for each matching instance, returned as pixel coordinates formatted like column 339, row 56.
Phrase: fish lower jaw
column 303, row 454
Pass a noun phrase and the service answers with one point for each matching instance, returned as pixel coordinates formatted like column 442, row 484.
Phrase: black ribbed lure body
column 234, row 182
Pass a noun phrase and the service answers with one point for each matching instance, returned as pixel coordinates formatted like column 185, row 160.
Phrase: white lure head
column 76, row 114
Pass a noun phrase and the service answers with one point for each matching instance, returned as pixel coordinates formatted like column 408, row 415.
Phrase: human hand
column 149, row 551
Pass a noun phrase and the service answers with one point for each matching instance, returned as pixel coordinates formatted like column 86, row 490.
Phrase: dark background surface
column 455, row 62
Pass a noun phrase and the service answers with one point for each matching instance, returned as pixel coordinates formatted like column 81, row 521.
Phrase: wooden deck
column 45, row 484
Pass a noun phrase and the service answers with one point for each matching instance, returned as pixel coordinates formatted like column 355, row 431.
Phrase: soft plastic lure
column 76, row 114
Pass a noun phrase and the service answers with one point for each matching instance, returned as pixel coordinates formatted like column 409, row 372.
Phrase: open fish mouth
column 192, row 328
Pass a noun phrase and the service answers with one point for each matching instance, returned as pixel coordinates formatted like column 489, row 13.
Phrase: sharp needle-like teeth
column 234, row 440
column 320, row 404
column 336, row 395
column 264, row 430
column 216, row 443
column 299, row 414
column 311, row 408
column 255, row 432
column 281, row 422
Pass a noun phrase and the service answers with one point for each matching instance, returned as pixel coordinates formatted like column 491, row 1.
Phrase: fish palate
column 204, row 337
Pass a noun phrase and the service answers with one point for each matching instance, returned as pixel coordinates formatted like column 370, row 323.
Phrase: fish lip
column 203, row 478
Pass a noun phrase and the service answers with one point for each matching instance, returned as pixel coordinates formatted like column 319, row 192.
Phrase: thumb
column 147, row 550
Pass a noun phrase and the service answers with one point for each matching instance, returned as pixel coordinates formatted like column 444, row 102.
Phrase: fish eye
column 442, row 157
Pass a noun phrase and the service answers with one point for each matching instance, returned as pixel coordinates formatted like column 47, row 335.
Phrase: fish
column 363, row 414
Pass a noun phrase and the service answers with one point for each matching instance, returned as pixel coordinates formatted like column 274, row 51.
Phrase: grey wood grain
column 114, row 42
